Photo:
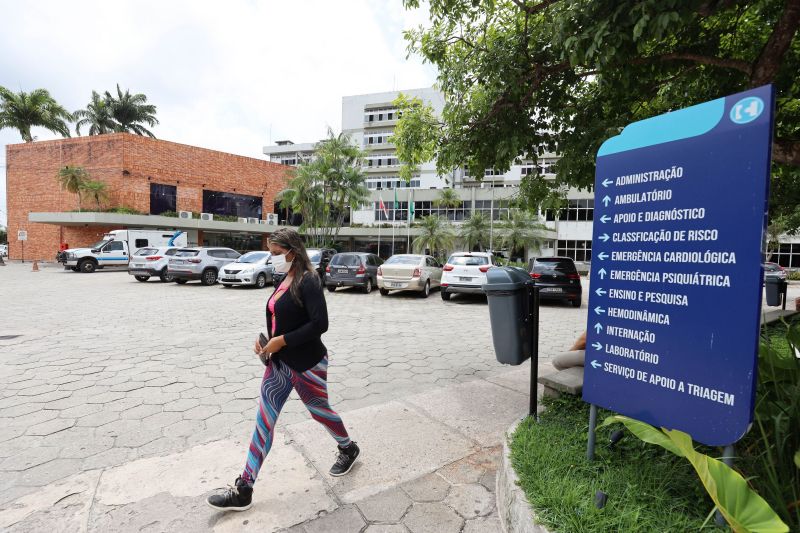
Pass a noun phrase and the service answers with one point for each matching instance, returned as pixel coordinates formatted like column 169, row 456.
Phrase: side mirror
column 95, row 250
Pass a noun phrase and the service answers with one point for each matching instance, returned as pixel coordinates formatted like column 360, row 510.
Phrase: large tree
column 521, row 77
column 131, row 112
column 22, row 111
column 97, row 116
column 436, row 235
column 73, row 179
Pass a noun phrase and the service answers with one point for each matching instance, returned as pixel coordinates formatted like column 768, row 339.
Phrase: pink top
column 271, row 304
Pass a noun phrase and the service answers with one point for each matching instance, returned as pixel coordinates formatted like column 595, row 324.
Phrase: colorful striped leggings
column 312, row 387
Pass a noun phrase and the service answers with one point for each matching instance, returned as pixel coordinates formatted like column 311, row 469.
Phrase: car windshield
column 314, row 256
column 99, row 244
column 252, row 257
column 147, row 251
column 468, row 260
column 187, row 253
column 403, row 260
column 564, row 265
column 345, row 260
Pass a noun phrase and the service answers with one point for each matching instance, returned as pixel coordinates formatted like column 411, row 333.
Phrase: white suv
column 465, row 272
column 147, row 262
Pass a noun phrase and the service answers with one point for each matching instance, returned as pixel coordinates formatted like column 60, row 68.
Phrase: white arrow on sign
column 602, row 256
column 600, row 291
column 599, row 310
column 606, row 200
column 604, row 237
column 602, row 273
column 607, row 182
column 598, row 327
column 595, row 364
column 597, row 346
column 605, row 218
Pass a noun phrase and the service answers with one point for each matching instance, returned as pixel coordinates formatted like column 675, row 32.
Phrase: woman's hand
column 274, row 345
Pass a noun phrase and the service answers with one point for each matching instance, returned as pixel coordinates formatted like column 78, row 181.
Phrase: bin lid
column 506, row 279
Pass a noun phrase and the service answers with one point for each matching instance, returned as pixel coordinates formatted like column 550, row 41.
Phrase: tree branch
column 769, row 60
column 533, row 9
column 736, row 64
column 786, row 152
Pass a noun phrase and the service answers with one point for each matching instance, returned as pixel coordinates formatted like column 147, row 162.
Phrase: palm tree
column 73, row 179
column 130, row 111
column 475, row 231
column 437, row 235
column 521, row 231
column 96, row 190
column 97, row 116
column 303, row 195
column 22, row 111
column 448, row 198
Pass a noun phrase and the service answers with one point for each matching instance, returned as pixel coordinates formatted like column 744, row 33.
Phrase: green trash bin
column 508, row 291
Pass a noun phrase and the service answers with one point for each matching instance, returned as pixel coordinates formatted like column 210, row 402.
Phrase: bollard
column 35, row 266
column 797, row 303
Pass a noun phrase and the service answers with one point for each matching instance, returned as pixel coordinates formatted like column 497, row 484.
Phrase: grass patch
column 648, row 488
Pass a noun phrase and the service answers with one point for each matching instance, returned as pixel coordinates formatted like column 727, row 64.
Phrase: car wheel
column 165, row 276
column 141, row 278
column 261, row 281
column 87, row 266
column 368, row 286
column 180, row 281
column 209, row 277
column 331, row 288
column 445, row 295
column 426, row 291
column 384, row 292
column 576, row 303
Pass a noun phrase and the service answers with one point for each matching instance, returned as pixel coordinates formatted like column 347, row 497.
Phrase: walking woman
column 296, row 358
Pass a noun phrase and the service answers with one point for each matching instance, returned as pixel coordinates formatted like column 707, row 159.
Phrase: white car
column 409, row 272
column 465, row 272
column 151, row 262
column 252, row 268
column 3, row 250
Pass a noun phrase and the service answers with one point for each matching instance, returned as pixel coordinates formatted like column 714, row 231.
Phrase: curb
column 516, row 514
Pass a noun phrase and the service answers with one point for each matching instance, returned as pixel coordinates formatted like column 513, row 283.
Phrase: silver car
column 203, row 263
column 409, row 272
column 252, row 268
column 151, row 262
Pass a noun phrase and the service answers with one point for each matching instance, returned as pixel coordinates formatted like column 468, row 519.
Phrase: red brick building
column 144, row 174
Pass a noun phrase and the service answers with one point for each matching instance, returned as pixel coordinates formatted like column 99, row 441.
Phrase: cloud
column 230, row 76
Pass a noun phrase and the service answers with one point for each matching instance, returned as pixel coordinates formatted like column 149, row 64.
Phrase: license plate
column 464, row 279
column 396, row 285
column 137, row 265
column 550, row 289
column 342, row 271
column 177, row 262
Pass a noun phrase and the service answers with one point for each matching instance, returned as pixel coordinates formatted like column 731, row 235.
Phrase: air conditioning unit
column 252, row 220
column 272, row 219
column 206, row 216
column 242, row 220
column 184, row 214
column 262, row 221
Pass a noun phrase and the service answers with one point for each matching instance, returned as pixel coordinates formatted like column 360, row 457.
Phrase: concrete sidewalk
column 428, row 465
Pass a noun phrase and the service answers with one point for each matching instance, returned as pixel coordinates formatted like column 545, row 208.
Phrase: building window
column 788, row 255
column 576, row 210
column 163, row 198
column 231, row 204
column 577, row 250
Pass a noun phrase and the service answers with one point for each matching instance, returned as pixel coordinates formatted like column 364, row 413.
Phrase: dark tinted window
column 468, row 260
column 162, row 198
column 346, row 260
column 114, row 246
column 252, row 257
column 187, row 253
column 171, row 251
column 226, row 203
column 138, row 243
column 554, row 263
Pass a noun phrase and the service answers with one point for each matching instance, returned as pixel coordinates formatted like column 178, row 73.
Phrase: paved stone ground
column 123, row 403
column 106, row 371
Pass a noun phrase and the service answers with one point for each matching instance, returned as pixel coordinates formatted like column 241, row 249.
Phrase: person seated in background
column 574, row 357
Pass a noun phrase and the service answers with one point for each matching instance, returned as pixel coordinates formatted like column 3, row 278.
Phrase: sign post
column 22, row 236
column 675, row 302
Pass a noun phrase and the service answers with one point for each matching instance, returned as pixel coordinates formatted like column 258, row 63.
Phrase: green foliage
column 649, row 489
column 324, row 189
column 474, row 231
column 741, row 506
column 794, row 275
column 523, row 78
column 448, row 198
column 417, row 131
column 94, row 190
column 520, row 230
column 22, row 111
column 97, row 116
column 3, row 236
column 73, row 179
column 437, row 236
column 130, row 112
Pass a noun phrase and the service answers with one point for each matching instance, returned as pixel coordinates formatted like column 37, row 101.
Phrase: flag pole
column 409, row 214
column 379, row 226
column 394, row 217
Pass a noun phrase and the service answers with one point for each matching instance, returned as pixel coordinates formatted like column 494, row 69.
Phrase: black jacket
column 301, row 327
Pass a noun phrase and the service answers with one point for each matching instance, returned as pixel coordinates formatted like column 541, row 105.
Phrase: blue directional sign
column 675, row 300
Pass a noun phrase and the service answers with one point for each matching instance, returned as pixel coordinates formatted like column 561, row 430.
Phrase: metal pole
column 592, row 426
column 727, row 458
column 491, row 221
column 533, row 315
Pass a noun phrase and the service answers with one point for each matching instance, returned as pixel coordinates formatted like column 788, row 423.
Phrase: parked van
column 116, row 248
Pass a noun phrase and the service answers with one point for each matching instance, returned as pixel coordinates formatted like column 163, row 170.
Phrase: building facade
column 155, row 179
column 370, row 120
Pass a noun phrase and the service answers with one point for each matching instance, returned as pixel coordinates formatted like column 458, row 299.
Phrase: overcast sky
column 227, row 75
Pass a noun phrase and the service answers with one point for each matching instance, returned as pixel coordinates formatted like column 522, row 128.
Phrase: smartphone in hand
column 262, row 341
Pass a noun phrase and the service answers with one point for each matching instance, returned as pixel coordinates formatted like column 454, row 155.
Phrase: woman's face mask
column 280, row 264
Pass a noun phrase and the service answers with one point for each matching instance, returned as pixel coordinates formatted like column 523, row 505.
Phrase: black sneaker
column 344, row 462
column 237, row 498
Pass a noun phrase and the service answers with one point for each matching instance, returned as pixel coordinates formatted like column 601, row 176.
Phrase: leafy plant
column 131, row 111
column 437, row 236
column 97, row 116
column 73, row 179
column 95, row 190
column 475, row 231
column 520, row 231
column 22, row 111
column 741, row 506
